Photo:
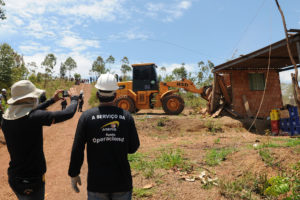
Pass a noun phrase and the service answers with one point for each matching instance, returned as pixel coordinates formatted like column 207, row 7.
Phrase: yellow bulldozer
column 144, row 91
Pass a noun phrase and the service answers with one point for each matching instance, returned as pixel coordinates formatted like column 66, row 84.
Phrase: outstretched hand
column 56, row 96
column 73, row 92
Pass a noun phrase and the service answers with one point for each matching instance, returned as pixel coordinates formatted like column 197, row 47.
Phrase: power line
column 163, row 42
column 246, row 29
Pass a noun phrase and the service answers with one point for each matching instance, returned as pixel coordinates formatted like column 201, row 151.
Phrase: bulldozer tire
column 125, row 103
column 173, row 104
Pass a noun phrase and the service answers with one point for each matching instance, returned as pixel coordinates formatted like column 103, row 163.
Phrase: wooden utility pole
column 296, row 89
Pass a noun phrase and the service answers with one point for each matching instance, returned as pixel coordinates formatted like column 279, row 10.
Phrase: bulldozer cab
column 144, row 77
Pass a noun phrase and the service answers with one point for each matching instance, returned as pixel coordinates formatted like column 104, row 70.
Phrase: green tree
column 2, row 13
column 19, row 72
column 204, row 76
column 7, row 62
column 99, row 66
column 125, row 67
column 70, row 65
column 77, row 76
column 191, row 77
column 180, row 73
column 163, row 71
column 62, row 70
column 32, row 67
column 169, row 78
column 49, row 63
column 110, row 60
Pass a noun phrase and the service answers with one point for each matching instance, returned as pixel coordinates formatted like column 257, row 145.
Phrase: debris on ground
column 149, row 186
column 206, row 179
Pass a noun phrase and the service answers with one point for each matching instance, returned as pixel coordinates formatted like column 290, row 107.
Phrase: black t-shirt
column 110, row 134
column 24, row 139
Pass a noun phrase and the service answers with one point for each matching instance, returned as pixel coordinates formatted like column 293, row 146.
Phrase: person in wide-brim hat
column 22, row 126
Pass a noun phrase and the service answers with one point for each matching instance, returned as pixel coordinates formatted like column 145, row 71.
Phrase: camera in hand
column 65, row 93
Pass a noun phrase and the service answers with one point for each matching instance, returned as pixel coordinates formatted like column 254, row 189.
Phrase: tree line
column 13, row 68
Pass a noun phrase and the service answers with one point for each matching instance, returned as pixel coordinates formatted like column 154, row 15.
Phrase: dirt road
column 58, row 140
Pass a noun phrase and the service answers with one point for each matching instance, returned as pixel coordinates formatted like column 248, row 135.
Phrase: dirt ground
column 187, row 132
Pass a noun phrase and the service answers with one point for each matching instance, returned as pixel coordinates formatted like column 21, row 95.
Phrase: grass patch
column 266, row 156
column 217, row 141
column 292, row 142
column 141, row 193
column 215, row 156
column 167, row 159
column 171, row 158
column 248, row 186
column 252, row 186
column 139, row 162
column 93, row 101
column 162, row 121
column 213, row 126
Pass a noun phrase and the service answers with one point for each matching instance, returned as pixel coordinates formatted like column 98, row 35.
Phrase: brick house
column 244, row 78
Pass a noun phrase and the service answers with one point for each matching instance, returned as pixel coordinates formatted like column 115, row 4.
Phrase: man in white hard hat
column 110, row 134
column 22, row 126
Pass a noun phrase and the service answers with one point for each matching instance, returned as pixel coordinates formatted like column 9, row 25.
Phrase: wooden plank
column 247, row 107
column 233, row 113
column 212, row 102
column 224, row 90
column 217, row 113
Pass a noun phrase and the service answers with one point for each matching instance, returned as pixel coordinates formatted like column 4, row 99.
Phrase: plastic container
column 294, row 130
column 293, row 110
column 275, row 126
column 274, row 114
column 294, row 121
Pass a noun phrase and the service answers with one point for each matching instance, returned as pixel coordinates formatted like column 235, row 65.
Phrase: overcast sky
column 167, row 32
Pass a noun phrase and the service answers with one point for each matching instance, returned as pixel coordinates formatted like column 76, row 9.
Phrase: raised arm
column 49, row 102
column 47, row 118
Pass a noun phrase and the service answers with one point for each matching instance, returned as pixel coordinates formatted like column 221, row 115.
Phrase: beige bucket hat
column 22, row 90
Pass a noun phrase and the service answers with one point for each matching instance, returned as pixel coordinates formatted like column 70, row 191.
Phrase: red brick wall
column 241, row 86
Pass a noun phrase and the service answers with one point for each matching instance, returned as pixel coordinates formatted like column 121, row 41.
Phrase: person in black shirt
column 63, row 103
column 110, row 134
column 81, row 101
column 22, row 126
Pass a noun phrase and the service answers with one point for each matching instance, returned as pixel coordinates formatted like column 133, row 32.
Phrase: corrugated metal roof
column 259, row 59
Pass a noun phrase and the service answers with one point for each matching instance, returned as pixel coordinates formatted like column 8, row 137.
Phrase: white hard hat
column 107, row 82
column 3, row 90
column 81, row 91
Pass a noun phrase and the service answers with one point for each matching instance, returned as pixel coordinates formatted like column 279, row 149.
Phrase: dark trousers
column 110, row 196
column 28, row 188
column 80, row 107
column 63, row 107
